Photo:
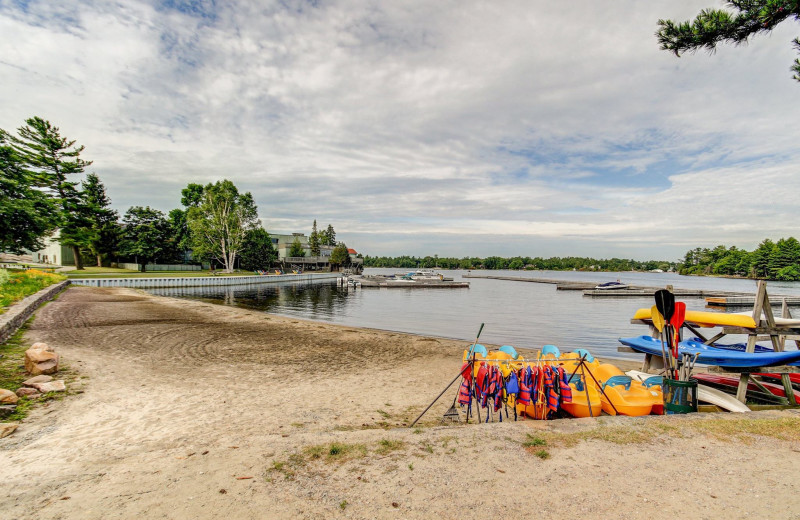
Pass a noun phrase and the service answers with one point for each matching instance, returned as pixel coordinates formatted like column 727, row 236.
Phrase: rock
column 7, row 429
column 8, row 397
column 29, row 392
column 42, row 346
column 39, row 361
column 37, row 379
column 6, row 410
column 51, row 386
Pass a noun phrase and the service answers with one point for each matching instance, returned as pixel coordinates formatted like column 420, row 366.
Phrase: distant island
column 570, row 263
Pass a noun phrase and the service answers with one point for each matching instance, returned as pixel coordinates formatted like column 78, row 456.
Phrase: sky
column 450, row 128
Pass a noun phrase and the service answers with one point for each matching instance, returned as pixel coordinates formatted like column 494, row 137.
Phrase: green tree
column 179, row 237
column 340, row 257
column 192, row 195
column 713, row 26
column 297, row 250
column 219, row 222
column 26, row 213
column 313, row 240
column 104, row 231
column 257, row 250
column 329, row 236
column 146, row 233
column 52, row 159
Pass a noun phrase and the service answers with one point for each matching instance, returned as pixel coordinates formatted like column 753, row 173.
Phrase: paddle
column 658, row 323
column 665, row 303
column 676, row 321
column 472, row 349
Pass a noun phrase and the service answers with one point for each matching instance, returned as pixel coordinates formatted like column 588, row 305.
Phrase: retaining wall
column 207, row 281
column 19, row 313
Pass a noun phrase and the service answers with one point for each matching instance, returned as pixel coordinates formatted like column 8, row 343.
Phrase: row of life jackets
column 528, row 385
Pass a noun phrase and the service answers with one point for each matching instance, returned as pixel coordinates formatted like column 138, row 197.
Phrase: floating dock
column 713, row 298
column 381, row 282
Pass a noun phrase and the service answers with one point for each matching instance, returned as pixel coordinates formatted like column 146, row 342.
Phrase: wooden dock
column 749, row 300
column 635, row 291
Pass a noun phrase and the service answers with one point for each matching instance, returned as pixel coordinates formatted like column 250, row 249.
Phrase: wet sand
column 193, row 410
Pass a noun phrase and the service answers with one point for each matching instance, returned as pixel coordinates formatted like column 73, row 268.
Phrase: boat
column 611, row 286
column 423, row 275
column 776, row 378
column 621, row 395
column 586, row 400
column 731, row 384
column 709, row 355
column 705, row 394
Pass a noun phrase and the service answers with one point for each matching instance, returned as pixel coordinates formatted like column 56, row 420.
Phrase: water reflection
column 526, row 315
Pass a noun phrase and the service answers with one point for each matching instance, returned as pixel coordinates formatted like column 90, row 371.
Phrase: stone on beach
column 37, row 379
column 41, row 361
column 7, row 429
column 27, row 392
column 51, row 386
column 8, row 397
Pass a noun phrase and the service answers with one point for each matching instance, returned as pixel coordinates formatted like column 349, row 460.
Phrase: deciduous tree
column 145, row 236
column 219, row 222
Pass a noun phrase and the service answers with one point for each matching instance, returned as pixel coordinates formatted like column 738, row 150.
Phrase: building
column 283, row 246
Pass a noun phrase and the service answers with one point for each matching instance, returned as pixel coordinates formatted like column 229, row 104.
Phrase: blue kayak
column 708, row 355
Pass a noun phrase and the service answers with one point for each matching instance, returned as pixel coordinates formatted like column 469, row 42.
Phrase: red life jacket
column 524, row 395
column 549, row 388
column 566, row 391
column 480, row 378
column 464, row 393
column 466, row 371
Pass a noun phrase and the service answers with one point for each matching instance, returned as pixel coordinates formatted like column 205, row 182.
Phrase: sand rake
column 452, row 415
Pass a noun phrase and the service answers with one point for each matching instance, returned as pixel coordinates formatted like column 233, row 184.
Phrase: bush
column 19, row 285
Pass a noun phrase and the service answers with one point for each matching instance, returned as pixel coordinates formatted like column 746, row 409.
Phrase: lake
column 526, row 315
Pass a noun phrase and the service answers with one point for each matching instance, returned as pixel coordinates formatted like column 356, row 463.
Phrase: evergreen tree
column 26, row 213
column 104, row 231
column 340, row 256
column 713, row 26
column 52, row 159
column 331, row 235
column 313, row 240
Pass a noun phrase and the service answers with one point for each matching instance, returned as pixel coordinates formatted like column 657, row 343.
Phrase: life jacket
column 534, row 376
column 512, row 384
column 565, row 390
column 480, row 378
column 549, row 388
column 465, row 392
column 466, row 371
column 524, row 395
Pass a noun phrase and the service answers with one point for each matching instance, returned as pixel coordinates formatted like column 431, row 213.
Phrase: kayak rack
column 764, row 329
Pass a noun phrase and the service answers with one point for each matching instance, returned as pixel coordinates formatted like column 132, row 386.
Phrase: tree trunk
column 76, row 252
column 99, row 260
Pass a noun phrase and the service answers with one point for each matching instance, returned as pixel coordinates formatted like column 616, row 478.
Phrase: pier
column 713, row 297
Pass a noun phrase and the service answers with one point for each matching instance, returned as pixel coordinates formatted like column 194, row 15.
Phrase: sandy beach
column 194, row 410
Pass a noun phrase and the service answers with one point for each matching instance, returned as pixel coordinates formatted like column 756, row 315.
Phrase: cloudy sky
column 457, row 128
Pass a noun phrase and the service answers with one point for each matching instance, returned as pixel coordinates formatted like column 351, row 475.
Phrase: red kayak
column 731, row 382
column 795, row 378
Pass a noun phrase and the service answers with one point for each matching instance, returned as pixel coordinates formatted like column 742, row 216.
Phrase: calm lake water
column 526, row 315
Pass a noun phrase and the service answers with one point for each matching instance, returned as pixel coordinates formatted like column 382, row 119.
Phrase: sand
column 194, row 410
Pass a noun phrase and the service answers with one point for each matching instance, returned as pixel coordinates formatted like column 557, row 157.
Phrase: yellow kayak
column 707, row 319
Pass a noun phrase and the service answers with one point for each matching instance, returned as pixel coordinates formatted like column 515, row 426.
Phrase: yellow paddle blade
column 658, row 319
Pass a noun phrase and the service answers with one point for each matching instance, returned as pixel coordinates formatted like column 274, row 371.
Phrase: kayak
column 707, row 319
column 794, row 378
column 705, row 394
column 732, row 383
column 714, row 356
column 621, row 395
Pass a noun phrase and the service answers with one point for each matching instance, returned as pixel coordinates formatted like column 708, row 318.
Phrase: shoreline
column 191, row 409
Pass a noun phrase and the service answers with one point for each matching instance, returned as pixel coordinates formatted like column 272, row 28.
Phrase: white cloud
column 541, row 129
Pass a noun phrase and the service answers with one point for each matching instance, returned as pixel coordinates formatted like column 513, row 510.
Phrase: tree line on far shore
column 38, row 196
column 518, row 262
column 770, row 260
